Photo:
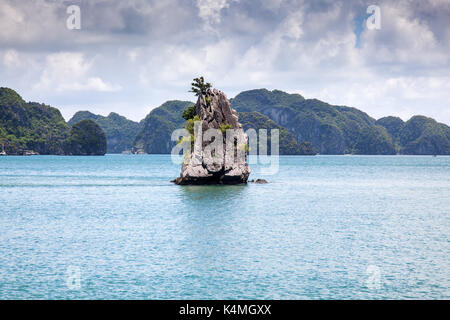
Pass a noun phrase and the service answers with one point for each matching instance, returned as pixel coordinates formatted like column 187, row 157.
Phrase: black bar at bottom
column 217, row 309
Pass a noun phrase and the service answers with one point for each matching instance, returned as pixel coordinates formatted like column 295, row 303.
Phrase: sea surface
column 325, row 227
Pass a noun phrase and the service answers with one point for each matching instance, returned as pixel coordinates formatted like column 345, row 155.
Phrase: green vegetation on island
column 189, row 113
column 418, row 135
column 157, row 128
column 32, row 128
column 120, row 131
column 330, row 129
column 393, row 126
column 199, row 87
column 86, row 139
column 306, row 126
column 288, row 144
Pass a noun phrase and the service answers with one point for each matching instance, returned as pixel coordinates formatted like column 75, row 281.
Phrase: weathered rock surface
column 259, row 181
column 211, row 166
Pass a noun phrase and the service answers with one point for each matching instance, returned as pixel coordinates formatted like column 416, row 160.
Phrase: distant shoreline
column 281, row 155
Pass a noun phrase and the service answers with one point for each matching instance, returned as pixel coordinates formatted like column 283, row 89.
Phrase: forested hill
column 30, row 128
column 307, row 126
column 158, row 125
column 120, row 131
column 340, row 129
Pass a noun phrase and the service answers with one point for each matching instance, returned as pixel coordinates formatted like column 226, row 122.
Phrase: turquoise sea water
column 325, row 227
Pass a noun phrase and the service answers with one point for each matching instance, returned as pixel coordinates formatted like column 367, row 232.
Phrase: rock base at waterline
column 201, row 176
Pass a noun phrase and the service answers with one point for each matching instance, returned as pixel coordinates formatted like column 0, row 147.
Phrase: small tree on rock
column 199, row 87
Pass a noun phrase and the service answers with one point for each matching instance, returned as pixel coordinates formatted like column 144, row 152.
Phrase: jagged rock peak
column 226, row 163
column 215, row 109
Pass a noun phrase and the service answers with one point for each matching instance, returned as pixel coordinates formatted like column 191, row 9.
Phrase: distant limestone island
column 30, row 128
column 307, row 127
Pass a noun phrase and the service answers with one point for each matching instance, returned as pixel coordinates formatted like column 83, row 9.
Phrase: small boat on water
column 30, row 153
column 3, row 153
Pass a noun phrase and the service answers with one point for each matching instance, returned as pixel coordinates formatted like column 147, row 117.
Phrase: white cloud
column 380, row 97
column 404, row 40
column 154, row 48
column 69, row 71
column 292, row 25
column 210, row 10
column 11, row 58
column 11, row 14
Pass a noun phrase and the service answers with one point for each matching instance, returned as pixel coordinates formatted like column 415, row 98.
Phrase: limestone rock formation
column 259, row 181
column 227, row 162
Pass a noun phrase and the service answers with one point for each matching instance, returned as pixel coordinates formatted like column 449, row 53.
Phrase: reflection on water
column 221, row 194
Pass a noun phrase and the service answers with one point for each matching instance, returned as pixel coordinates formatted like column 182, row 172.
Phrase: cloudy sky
column 131, row 56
